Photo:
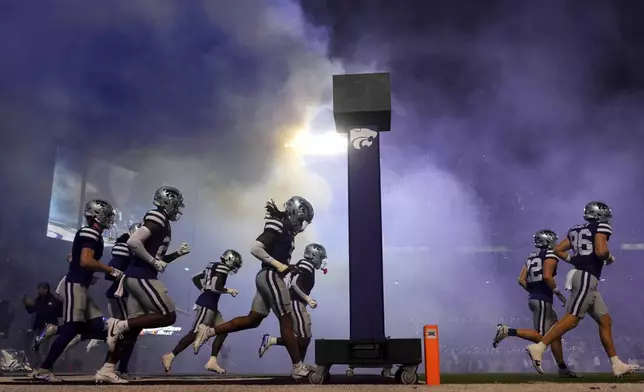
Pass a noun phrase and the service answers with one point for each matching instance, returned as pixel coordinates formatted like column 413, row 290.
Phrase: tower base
column 368, row 353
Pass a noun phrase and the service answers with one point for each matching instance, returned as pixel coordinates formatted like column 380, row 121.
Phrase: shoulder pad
column 604, row 228
column 274, row 225
column 222, row 269
column 89, row 233
column 157, row 217
column 550, row 255
column 120, row 250
column 305, row 267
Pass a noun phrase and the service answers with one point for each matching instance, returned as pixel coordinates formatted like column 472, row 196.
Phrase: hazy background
column 508, row 117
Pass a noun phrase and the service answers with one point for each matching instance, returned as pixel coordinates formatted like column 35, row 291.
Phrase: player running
column 589, row 245
column 537, row 278
column 81, row 315
column 148, row 304
column 212, row 284
column 273, row 248
column 301, row 286
column 117, row 305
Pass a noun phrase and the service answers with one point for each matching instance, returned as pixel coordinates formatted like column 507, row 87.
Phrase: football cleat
column 501, row 333
column 622, row 369
column 266, row 344
column 536, row 356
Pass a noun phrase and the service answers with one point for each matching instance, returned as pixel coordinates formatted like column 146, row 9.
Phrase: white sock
column 272, row 341
column 542, row 347
column 297, row 365
column 615, row 360
column 213, row 359
column 109, row 367
column 171, row 355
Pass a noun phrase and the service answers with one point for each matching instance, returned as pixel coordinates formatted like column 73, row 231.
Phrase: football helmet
column 170, row 201
column 597, row 211
column 133, row 227
column 232, row 259
column 100, row 212
column 299, row 212
column 545, row 239
column 316, row 255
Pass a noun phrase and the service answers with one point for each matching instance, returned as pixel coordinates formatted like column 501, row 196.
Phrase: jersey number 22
column 534, row 270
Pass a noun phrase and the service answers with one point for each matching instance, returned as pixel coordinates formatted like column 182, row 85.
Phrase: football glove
column 232, row 292
column 116, row 273
column 184, row 249
column 159, row 265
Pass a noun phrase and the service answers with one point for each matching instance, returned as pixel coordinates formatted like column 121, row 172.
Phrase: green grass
column 517, row 378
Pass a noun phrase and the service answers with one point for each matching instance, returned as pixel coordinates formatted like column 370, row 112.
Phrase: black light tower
column 362, row 109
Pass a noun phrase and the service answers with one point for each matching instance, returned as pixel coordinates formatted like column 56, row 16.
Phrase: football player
column 273, row 248
column 117, row 305
column 212, row 284
column 314, row 258
column 589, row 245
column 538, row 279
column 81, row 315
column 148, row 304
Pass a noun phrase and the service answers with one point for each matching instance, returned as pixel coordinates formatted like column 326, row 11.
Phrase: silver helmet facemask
column 316, row 255
column 299, row 212
column 597, row 211
column 170, row 201
column 232, row 259
column 100, row 212
column 545, row 239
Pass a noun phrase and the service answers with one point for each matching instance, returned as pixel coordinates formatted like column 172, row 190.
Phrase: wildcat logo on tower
column 362, row 137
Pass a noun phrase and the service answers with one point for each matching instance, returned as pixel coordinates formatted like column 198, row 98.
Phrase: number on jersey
column 581, row 242
column 207, row 278
column 163, row 249
column 534, row 270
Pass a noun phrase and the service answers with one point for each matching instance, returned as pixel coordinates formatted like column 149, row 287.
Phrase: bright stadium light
column 325, row 144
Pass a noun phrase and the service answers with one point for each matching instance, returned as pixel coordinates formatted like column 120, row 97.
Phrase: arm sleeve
column 258, row 249
column 219, row 286
column 136, row 241
column 196, row 280
column 169, row 258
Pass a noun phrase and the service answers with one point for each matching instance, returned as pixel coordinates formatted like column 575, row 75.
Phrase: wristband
column 278, row 266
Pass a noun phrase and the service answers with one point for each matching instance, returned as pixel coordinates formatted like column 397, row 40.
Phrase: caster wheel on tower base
column 350, row 373
column 319, row 378
column 407, row 377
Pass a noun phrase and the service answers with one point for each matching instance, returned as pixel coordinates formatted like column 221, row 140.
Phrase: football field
column 485, row 382
column 519, row 378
